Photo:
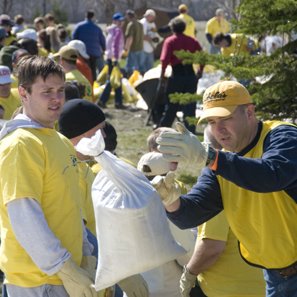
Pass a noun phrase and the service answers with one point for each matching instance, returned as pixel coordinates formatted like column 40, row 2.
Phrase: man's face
column 5, row 90
column 233, row 132
column 150, row 18
column 45, row 101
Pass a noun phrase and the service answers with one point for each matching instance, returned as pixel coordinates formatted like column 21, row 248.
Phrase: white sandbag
column 131, row 223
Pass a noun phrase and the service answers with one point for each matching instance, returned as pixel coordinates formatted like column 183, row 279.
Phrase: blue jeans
column 147, row 61
column 93, row 240
column 214, row 49
column 41, row 291
column 134, row 62
column 279, row 286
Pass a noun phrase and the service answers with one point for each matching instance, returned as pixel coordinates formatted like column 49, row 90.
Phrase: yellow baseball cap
column 67, row 52
column 222, row 98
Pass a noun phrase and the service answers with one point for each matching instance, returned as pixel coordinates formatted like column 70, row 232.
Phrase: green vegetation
column 276, row 94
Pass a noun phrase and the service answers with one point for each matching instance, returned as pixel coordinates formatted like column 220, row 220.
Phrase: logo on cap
column 218, row 96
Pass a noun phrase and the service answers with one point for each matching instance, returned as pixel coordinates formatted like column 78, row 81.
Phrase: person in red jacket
column 183, row 78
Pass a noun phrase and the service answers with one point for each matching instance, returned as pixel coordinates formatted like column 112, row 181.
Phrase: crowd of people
column 239, row 216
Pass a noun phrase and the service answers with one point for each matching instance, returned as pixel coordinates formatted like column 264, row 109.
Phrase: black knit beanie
column 79, row 116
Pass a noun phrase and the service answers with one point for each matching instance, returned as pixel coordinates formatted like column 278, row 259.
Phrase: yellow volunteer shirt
column 76, row 75
column 40, row 164
column 190, row 25
column 10, row 104
column 239, row 45
column 9, row 40
column 230, row 276
column 213, row 26
column 15, row 81
column 86, row 178
column 42, row 52
column 263, row 214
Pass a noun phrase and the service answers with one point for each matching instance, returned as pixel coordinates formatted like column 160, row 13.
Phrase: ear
column 250, row 111
column 23, row 93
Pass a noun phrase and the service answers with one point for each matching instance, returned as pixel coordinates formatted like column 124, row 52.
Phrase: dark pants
column 180, row 82
column 106, row 92
column 96, row 64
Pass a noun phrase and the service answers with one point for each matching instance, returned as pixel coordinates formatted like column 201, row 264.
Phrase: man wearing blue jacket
column 88, row 32
column 254, row 179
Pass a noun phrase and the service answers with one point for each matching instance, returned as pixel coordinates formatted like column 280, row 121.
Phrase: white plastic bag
column 131, row 223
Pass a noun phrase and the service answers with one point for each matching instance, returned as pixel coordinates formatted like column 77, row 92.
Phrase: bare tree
column 6, row 6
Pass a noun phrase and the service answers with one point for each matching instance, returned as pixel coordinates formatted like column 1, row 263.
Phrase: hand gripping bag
column 131, row 224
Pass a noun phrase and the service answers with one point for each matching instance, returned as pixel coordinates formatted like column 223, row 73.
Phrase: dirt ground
column 132, row 133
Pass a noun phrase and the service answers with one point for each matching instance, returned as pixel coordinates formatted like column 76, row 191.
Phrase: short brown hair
column 29, row 68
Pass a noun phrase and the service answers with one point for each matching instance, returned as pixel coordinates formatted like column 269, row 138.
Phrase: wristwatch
column 211, row 155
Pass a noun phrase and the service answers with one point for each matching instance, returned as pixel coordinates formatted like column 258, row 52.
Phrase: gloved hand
column 76, row 281
column 89, row 264
column 134, row 286
column 167, row 188
column 186, row 282
column 124, row 54
column 182, row 146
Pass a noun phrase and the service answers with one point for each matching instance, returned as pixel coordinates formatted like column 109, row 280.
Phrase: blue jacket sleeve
column 102, row 41
column 276, row 170
column 200, row 204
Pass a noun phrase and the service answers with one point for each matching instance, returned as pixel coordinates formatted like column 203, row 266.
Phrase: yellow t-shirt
column 239, row 45
column 213, row 26
column 76, row 75
column 190, row 25
column 39, row 164
column 15, row 81
column 10, row 104
column 229, row 276
column 86, row 178
column 42, row 52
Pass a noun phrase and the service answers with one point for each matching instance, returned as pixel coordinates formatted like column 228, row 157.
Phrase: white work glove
column 76, row 281
column 186, row 282
column 89, row 264
column 93, row 146
column 182, row 146
column 134, row 286
column 167, row 188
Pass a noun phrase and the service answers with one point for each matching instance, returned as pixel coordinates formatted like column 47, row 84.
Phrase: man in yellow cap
column 190, row 22
column 254, row 179
column 67, row 59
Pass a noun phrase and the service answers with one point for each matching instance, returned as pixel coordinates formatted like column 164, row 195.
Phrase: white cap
column 4, row 75
column 27, row 33
column 152, row 164
column 150, row 12
column 80, row 47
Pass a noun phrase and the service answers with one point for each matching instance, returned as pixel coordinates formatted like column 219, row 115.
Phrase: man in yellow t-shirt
column 43, row 241
column 9, row 98
column 190, row 22
column 67, row 59
column 221, row 270
column 91, row 119
column 235, row 44
column 217, row 24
